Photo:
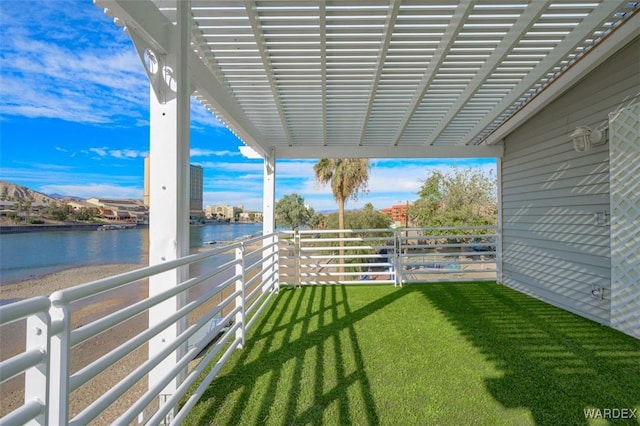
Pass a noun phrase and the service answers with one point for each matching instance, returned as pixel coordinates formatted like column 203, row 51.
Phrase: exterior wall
column 553, row 247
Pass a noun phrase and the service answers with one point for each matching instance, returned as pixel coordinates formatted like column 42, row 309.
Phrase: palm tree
column 348, row 178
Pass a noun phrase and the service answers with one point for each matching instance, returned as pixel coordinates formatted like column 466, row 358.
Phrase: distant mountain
column 12, row 192
column 61, row 197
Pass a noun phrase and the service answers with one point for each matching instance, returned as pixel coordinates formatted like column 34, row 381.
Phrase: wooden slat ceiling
column 340, row 76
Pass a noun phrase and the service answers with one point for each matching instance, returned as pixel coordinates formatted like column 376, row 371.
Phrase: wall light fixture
column 584, row 137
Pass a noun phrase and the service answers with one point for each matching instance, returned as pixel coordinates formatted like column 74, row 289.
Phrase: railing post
column 276, row 263
column 59, row 364
column 397, row 249
column 298, row 258
column 270, row 267
column 240, row 300
column 35, row 381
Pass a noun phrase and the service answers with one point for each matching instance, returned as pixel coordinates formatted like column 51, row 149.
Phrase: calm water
column 38, row 253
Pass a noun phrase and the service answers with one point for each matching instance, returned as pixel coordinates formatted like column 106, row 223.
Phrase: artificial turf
column 432, row 354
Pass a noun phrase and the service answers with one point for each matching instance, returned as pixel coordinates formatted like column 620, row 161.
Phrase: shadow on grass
column 554, row 363
column 304, row 347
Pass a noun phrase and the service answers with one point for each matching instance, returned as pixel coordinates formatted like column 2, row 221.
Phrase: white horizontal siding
column 552, row 247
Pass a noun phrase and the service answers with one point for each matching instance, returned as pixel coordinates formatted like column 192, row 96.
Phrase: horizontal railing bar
column 336, row 231
column 327, row 265
column 450, row 254
column 344, row 247
column 348, row 282
column 19, row 363
column 263, row 270
column 88, row 372
column 23, row 308
column 334, row 274
column 253, row 300
column 25, row 413
column 435, row 271
column 260, row 309
column 346, row 239
column 193, row 399
column 345, row 256
column 151, row 394
column 174, row 399
column 251, row 280
column 263, row 248
column 96, row 327
column 104, row 284
column 110, row 396
column 459, row 279
column 444, row 236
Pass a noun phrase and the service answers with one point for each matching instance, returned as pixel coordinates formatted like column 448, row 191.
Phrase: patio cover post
column 169, row 188
column 268, row 209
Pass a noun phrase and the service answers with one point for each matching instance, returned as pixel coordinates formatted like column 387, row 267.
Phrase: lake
column 32, row 254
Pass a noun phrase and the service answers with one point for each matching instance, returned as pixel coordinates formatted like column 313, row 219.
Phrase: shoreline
column 46, row 284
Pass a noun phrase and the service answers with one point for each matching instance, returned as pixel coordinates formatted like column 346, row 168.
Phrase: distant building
column 195, row 192
column 223, row 211
column 251, row 216
column 129, row 210
column 398, row 214
column 196, row 183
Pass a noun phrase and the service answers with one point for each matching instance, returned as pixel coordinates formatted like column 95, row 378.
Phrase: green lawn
column 433, row 354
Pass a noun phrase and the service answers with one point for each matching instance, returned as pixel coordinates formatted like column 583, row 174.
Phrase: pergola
column 375, row 78
column 352, row 78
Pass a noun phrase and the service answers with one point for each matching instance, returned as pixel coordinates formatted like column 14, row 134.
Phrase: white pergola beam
column 568, row 44
column 619, row 38
column 511, row 39
column 383, row 151
column 455, row 26
column 143, row 17
column 380, row 63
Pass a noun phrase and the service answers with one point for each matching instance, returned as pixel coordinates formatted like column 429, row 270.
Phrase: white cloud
column 67, row 74
column 121, row 154
column 201, row 152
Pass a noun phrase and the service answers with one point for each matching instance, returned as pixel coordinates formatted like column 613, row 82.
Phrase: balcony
column 251, row 347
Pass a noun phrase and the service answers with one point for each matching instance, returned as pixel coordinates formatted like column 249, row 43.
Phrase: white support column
column 169, row 188
column 268, row 208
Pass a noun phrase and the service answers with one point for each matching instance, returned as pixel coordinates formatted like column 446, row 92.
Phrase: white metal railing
column 384, row 256
column 245, row 279
column 228, row 298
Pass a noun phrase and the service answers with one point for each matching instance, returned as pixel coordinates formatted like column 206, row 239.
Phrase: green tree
column 291, row 211
column 366, row 218
column 318, row 221
column 460, row 198
column 58, row 211
column 348, row 178
column 83, row 214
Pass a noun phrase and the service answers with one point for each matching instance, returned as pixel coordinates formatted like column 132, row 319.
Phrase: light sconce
column 584, row 138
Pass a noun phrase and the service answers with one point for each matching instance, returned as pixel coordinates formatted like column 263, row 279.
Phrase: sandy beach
column 13, row 336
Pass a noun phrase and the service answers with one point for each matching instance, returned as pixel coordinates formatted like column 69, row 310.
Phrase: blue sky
column 74, row 104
